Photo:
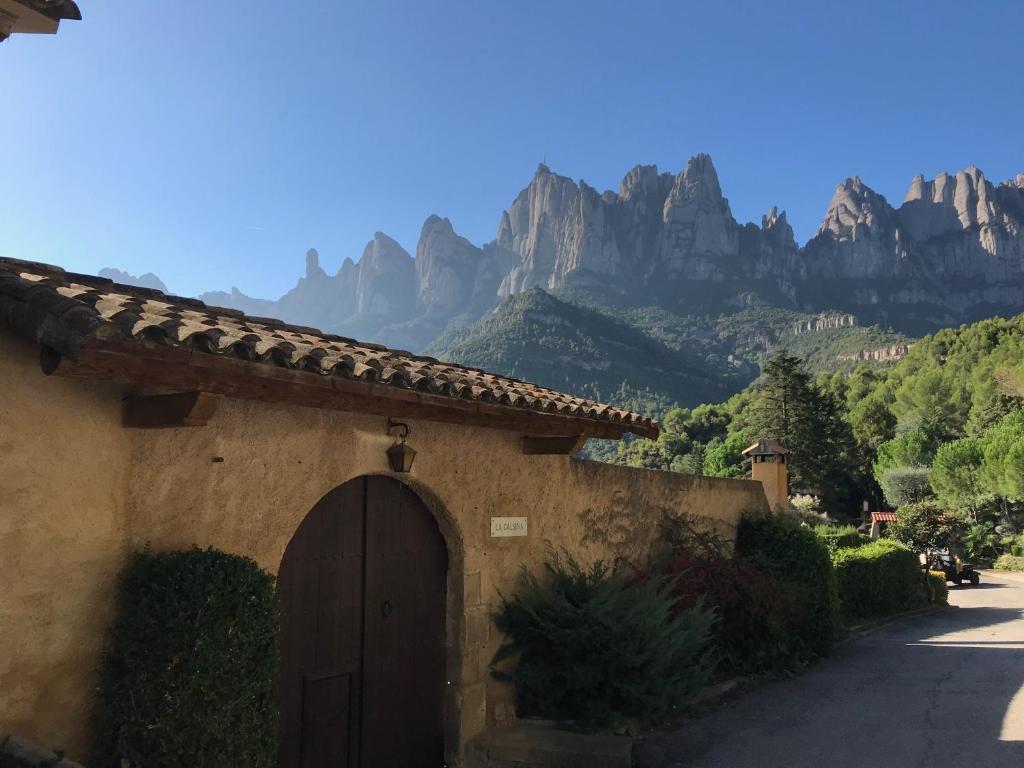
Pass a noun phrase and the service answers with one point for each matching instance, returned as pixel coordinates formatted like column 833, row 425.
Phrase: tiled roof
column 64, row 310
column 766, row 447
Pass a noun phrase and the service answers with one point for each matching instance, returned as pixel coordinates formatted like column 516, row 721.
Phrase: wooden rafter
column 181, row 409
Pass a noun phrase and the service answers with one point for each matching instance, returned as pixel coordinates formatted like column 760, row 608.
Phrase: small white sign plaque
column 508, row 526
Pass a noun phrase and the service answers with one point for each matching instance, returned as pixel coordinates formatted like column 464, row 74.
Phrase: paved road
column 941, row 690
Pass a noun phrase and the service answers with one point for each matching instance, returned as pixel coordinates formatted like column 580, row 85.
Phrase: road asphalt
column 933, row 691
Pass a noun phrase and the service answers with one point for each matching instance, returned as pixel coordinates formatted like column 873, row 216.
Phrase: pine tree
column 807, row 420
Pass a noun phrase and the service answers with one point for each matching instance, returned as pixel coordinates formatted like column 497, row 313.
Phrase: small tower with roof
column 768, row 464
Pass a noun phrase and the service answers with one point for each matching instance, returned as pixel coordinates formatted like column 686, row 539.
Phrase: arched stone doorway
column 362, row 587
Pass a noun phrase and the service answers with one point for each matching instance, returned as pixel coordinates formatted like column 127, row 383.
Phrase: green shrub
column 926, row 525
column 836, row 537
column 877, row 579
column 597, row 647
column 1009, row 563
column 981, row 542
column 938, row 591
column 189, row 674
column 799, row 560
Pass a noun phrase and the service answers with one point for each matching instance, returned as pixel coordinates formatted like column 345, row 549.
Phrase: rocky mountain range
column 147, row 280
column 952, row 252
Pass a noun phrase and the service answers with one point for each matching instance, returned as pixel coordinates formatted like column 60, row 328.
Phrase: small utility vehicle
column 954, row 568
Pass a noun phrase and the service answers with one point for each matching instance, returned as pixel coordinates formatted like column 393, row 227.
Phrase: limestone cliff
column 952, row 252
column 661, row 239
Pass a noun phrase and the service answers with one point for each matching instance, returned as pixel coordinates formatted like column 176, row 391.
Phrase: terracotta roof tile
column 63, row 310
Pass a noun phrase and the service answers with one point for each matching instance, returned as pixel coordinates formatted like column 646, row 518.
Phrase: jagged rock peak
column 643, row 180
column 773, row 219
column 446, row 266
column 699, row 180
column 543, row 171
column 313, row 269
column 854, row 205
column 435, row 222
column 387, row 279
column 147, row 280
column 965, row 200
column 383, row 246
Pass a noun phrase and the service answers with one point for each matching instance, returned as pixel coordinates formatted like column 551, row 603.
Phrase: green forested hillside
column 555, row 343
column 648, row 359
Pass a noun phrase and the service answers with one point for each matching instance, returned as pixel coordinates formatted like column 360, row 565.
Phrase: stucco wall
column 273, row 462
column 63, row 465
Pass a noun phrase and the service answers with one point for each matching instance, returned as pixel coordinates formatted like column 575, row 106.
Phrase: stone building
column 129, row 417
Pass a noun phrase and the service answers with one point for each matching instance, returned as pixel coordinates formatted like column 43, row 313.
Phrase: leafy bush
column 877, row 579
column 756, row 612
column 1015, row 544
column 799, row 560
column 938, row 592
column 1009, row 563
column 597, row 647
column 806, row 504
column 836, row 537
column 189, row 674
column 925, row 525
column 905, row 485
column 981, row 542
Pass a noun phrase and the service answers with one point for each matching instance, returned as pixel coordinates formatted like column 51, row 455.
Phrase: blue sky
column 213, row 143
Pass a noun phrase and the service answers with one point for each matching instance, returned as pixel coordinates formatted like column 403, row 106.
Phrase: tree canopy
column 943, row 425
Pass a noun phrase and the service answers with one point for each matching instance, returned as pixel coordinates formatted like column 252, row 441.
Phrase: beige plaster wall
column 244, row 482
column 63, row 466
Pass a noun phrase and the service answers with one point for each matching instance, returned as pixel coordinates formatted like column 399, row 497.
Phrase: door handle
column 386, row 608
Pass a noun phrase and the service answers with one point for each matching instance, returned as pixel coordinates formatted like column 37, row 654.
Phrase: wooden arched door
column 362, row 588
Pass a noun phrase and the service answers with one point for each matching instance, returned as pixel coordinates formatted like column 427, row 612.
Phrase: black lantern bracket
column 399, row 425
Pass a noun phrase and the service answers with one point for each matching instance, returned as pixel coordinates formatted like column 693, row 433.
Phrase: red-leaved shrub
column 755, row 612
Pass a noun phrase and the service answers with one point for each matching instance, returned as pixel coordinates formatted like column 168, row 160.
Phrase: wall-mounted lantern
column 400, row 455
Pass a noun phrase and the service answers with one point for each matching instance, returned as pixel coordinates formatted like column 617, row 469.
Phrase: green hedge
column 1009, row 563
column 877, row 579
column 800, row 561
column 836, row 537
column 598, row 647
column 938, row 591
column 190, row 671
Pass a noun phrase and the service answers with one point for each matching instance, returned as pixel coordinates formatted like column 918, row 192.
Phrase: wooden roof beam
column 186, row 370
column 182, row 409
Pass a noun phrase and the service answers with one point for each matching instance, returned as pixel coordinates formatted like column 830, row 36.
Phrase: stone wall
column 243, row 484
